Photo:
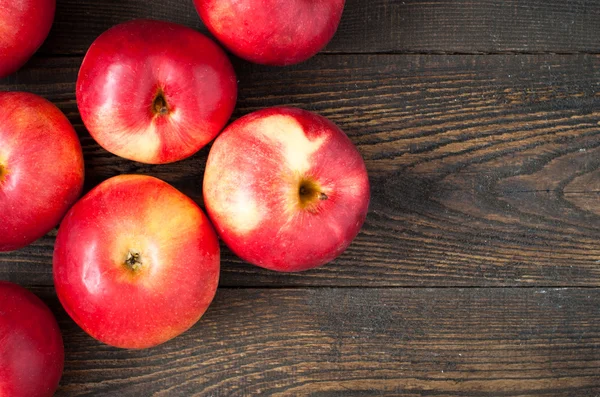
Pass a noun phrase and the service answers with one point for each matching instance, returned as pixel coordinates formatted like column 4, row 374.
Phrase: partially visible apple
column 155, row 92
column 286, row 189
column 136, row 262
column 41, row 168
column 31, row 348
column 272, row 32
column 24, row 26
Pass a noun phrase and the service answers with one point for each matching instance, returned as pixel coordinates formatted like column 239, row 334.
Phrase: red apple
column 136, row 262
column 272, row 32
column 286, row 189
column 31, row 347
column 155, row 92
column 41, row 168
column 25, row 25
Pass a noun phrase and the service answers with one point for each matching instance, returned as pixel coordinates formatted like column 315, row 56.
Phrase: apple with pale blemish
column 136, row 262
column 155, row 92
column 286, row 189
column 272, row 32
column 41, row 168
column 24, row 25
column 31, row 346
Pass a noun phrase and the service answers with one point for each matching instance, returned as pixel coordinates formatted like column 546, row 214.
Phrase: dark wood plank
column 485, row 169
column 358, row 342
column 486, row 26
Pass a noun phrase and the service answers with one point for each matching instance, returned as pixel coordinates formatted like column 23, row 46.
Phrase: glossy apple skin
column 179, row 254
column 24, row 25
column 131, row 64
column 251, row 189
column 41, row 168
column 272, row 32
column 31, row 347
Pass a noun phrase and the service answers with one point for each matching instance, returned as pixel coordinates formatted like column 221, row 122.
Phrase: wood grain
column 484, row 169
column 417, row 26
column 358, row 342
column 483, row 150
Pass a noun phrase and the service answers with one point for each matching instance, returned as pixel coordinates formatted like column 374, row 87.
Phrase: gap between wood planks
column 434, row 52
column 375, row 287
column 43, row 55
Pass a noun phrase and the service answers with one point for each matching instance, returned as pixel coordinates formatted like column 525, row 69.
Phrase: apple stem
column 309, row 192
column 159, row 105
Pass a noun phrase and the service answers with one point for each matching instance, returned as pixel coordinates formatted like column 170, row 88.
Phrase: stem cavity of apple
column 133, row 260
column 309, row 194
column 160, row 106
column 3, row 173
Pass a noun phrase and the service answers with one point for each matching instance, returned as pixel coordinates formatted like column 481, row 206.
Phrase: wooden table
column 477, row 271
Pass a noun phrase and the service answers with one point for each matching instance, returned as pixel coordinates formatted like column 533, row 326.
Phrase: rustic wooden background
column 477, row 272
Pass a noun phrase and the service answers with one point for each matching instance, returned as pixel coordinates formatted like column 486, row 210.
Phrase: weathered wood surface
column 480, row 125
column 411, row 26
column 484, row 169
column 358, row 342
